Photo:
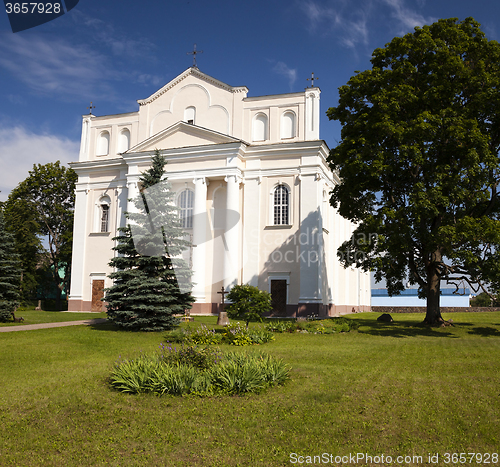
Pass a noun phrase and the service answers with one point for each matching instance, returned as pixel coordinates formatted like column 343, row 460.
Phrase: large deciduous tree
column 151, row 282
column 418, row 160
column 41, row 207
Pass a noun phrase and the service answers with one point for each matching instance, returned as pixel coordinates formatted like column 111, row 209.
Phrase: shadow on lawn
column 485, row 331
column 402, row 329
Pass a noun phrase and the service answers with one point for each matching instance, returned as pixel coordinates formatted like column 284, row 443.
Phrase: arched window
column 185, row 203
column 190, row 115
column 124, row 140
column 288, row 125
column 103, row 214
column 103, row 144
column 259, row 127
column 281, row 204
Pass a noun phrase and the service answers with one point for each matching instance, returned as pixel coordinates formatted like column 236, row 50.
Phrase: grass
column 393, row 389
column 32, row 316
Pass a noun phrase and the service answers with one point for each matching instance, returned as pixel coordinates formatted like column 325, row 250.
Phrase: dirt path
column 28, row 327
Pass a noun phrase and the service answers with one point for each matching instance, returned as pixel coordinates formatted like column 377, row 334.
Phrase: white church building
column 252, row 184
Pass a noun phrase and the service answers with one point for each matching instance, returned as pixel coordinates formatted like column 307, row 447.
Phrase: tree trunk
column 433, row 312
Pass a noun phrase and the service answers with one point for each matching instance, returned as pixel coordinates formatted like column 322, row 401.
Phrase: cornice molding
column 198, row 74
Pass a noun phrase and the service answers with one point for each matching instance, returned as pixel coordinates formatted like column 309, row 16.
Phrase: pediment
column 182, row 135
column 202, row 77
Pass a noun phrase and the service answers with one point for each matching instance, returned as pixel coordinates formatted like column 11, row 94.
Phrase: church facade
column 252, row 185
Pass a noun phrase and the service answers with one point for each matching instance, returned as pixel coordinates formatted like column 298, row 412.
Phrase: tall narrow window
column 185, row 203
column 281, row 205
column 104, row 218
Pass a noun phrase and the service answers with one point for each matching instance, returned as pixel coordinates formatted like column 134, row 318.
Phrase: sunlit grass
column 397, row 389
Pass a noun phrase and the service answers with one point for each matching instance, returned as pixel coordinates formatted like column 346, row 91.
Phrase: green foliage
column 248, row 303
column 192, row 355
column 236, row 334
column 146, row 293
column 205, row 336
column 42, row 206
column 324, row 326
column 198, row 372
column 10, row 273
column 233, row 334
column 483, row 300
column 281, row 326
column 419, row 160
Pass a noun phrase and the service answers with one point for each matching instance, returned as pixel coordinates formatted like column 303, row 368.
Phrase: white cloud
column 353, row 21
column 289, row 73
column 346, row 20
column 408, row 19
column 20, row 149
column 51, row 66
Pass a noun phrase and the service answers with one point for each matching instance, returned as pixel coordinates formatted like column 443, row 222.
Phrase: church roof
column 193, row 71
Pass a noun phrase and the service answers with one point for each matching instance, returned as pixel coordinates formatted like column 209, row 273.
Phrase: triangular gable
column 198, row 74
column 182, row 135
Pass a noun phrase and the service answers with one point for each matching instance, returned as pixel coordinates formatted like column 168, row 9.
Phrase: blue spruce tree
column 150, row 282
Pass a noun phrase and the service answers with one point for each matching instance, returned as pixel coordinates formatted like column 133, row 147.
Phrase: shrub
column 179, row 372
column 236, row 334
column 248, row 303
column 190, row 355
column 205, row 336
column 281, row 326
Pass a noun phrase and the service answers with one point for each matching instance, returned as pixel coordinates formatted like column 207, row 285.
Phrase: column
column 78, row 259
column 232, row 232
column 199, row 239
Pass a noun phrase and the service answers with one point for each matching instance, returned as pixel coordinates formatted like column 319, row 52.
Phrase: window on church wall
column 288, row 125
column 281, row 205
column 185, row 202
column 124, row 140
column 103, row 143
column 103, row 215
column 190, row 115
column 260, row 127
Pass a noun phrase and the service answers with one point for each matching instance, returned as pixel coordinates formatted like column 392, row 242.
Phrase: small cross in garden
column 90, row 108
column 222, row 319
column 312, row 79
column 194, row 53
column 223, row 293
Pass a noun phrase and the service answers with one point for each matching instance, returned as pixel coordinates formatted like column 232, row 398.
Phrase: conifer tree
column 10, row 273
column 149, row 279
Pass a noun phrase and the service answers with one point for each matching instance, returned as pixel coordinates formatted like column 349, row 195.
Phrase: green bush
column 205, row 336
column 236, row 334
column 202, row 372
column 281, row 326
column 248, row 303
column 316, row 326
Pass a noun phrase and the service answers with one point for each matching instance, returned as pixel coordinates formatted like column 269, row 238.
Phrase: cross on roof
column 312, row 79
column 90, row 108
column 194, row 53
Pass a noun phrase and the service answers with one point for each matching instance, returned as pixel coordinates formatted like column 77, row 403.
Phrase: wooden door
column 97, row 294
column 278, row 294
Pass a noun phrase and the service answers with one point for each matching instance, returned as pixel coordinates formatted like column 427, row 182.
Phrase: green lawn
column 32, row 316
column 392, row 389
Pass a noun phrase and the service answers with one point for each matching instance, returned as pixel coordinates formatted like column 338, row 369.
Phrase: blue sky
column 113, row 53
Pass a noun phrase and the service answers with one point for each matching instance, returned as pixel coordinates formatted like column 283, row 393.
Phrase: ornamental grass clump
column 193, row 371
